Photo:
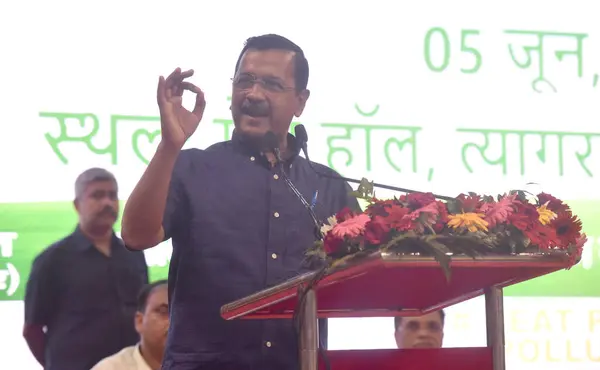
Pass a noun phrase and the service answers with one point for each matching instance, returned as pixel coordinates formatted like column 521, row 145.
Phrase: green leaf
column 395, row 240
column 366, row 188
column 438, row 251
column 520, row 195
column 454, row 206
column 488, row 198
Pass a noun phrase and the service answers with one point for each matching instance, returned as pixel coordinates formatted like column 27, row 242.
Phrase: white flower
column 331, row 222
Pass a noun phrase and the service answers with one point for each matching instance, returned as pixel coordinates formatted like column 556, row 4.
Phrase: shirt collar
column 82, row 242
column 139, row 360
column 242, row 144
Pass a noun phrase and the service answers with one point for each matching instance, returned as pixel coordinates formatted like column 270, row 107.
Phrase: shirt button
column 268, row 344
column 275, row 176
column 252, row 159
column 274, row 256
column 276, row 214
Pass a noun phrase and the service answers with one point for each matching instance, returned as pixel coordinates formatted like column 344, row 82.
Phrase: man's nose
column 256, row 92
column 423, row 332
column 108, row 201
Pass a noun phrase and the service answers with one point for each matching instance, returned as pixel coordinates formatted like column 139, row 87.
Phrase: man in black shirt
column 236, row 226
column 80, row 298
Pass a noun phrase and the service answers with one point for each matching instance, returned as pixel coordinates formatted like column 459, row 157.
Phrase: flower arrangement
column 470, row 224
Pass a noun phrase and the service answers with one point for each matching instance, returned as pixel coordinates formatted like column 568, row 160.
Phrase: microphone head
column 270, row 141
column 301, row 135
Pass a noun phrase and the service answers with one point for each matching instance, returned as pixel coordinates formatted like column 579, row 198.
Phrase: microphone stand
column 298, row 195
column 376, row 185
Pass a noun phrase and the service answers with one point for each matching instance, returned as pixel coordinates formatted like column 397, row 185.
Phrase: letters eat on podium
column 401, row 285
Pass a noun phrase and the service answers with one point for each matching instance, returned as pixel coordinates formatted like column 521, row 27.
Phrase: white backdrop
column 100, row 61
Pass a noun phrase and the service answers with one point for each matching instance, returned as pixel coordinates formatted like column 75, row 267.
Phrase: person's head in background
column 425, row 331
column 152, row 322
column 96, row 201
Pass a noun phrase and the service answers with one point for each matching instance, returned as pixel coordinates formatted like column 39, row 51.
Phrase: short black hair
column 89, row 176
column 275, row 42
column 142, row 299
column 398, row 319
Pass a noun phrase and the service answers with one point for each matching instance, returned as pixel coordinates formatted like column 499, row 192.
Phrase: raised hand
column 178, row 123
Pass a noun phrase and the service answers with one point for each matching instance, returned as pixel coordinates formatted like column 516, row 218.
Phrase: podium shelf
column 385, row 284
column 476, row 358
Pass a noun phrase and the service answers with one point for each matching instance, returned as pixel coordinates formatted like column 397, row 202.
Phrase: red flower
column 332, row 244
column 543, row 236
column 398, row 218
column 344, row 215
column 578, row 250
column 417, row 200
column 526, row 216
column 442, row 217
column 469, row 203
column 380, row 207
column 554, row 204
column 568, row 228
column 376, row 231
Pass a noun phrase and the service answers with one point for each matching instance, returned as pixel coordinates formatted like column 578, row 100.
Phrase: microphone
column 302, row 140
column 272, row 144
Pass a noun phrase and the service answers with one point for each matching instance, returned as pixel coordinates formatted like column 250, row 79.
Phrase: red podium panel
column 411, row 359
column 393, row 285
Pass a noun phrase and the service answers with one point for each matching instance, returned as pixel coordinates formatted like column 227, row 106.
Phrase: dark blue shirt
column 86, row 300
column 237, row 229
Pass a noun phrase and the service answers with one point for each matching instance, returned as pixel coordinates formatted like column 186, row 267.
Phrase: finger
column 177, row 76
column 200, row 103
column 186, row 74
column 190, row 87
column 178, row 89
column 173, row 77
column 161, row 97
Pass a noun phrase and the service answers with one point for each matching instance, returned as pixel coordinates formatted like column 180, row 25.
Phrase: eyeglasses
column 246, row 81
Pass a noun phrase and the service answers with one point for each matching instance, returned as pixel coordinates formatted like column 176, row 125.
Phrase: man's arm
column 142, row 225
column 39, row 304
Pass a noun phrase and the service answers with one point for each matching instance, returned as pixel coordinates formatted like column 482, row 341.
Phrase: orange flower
column 471, row 221
column 546, row 215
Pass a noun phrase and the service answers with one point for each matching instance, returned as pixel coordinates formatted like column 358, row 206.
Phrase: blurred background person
column 80, row 297
column 152, row 324
column 425, row 331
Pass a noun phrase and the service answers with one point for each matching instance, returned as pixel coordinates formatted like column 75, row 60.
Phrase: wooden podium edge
column 289, row 289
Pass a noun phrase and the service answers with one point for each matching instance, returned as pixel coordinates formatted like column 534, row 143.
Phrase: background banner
column 439, row 96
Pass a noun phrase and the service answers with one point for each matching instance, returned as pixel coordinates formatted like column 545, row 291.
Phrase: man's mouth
column 426, row 344
column 255, row 110
column 108, row 212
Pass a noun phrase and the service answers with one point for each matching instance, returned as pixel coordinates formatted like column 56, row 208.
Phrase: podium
column 387, row 284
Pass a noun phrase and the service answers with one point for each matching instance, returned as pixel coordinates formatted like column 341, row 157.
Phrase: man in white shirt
column 152, row 323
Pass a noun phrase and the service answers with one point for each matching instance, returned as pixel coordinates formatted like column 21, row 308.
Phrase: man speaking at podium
column 236, row 226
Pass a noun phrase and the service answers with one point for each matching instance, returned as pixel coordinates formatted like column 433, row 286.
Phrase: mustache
column 255, row 109
column 108, row 211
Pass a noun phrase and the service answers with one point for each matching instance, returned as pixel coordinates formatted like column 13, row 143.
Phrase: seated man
column 152, row 323
column 425, row 331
